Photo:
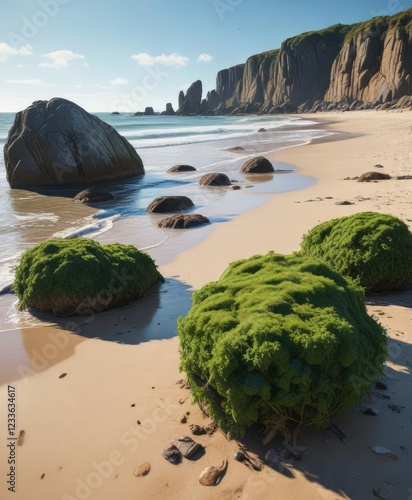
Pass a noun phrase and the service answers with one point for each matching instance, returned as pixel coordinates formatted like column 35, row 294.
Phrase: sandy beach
column 94, row 402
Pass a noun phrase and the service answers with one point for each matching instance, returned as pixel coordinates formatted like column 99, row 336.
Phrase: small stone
column 142, row 470
column 183, row 420
column 42, row 476
column 63, row 375
column 371, row 411
column 20, row 439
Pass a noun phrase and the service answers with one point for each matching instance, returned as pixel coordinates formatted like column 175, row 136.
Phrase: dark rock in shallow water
column 170, row 204
column 373, row 176
column 93, row 196
column 183, row 221
column 257, row 165
column 214, row 179
column 169, row 110
column 181, row 168
column 57, row 143
column 149, row 111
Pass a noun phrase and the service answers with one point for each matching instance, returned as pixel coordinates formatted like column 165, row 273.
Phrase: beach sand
column 95, row 404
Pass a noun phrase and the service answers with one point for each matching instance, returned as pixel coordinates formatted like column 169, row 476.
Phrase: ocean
column 207, row 143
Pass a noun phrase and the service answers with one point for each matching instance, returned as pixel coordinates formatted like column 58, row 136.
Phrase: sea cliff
column 360, row 66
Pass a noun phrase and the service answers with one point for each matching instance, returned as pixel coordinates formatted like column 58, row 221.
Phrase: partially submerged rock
column 93, row 196
column 164, row 204
column 257, row 165
column 215, row 179
column 181, row 168
column 57, row 143
column 183, row 221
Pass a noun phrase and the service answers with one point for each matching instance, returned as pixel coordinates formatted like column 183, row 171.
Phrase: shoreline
column 112, row 384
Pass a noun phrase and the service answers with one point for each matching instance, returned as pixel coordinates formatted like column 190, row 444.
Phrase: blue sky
column 124, row 55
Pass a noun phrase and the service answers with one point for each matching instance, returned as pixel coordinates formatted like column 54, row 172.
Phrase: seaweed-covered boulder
column 93, row 196
column 372, row 247
column 165, row 204
column 181, row 168
column 183, row 221
column 280, row 340
column 373, row 176
column 80, row 276
column 214, row 179
column 57, row 143
column 257, row 165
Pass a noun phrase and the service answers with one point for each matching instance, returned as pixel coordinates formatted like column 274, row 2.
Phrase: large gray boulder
column 58, row 143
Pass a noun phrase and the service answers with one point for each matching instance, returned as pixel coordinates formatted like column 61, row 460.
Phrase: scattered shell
column 142, row 470
column 212, row 475
column 381, row 450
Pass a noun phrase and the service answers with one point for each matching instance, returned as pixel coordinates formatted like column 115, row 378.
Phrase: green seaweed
column 76, row 276
column 279, row 340
column 374, row 248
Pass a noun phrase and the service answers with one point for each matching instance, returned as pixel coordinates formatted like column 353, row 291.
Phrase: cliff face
column 229, row 85
column 304, row 66
column 365, row 64
column 375, row 62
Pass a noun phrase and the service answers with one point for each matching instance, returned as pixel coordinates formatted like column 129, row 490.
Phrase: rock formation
column 93, row 196
column 169, row 110
column 189, row 104
column 257, row 165
column 375, row 63
column 183, row 221
column 181, row 168
column 344, row 67
column 57, row 143
column 215, row 179
column 164, row 204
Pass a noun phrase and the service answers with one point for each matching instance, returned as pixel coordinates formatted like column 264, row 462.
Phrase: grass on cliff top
column 379, row 25
column 279, row 340
column 332, row 35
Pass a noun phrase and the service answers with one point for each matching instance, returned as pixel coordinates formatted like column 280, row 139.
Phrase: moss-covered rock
column 372, row 247
column 81, row 276
column 279, row 340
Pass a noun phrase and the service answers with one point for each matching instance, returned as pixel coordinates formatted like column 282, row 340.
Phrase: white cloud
column 61, row 59
column 205, row 58
column 117, row 82
column 165, row 60
column 33, row 82
column 7, row 50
